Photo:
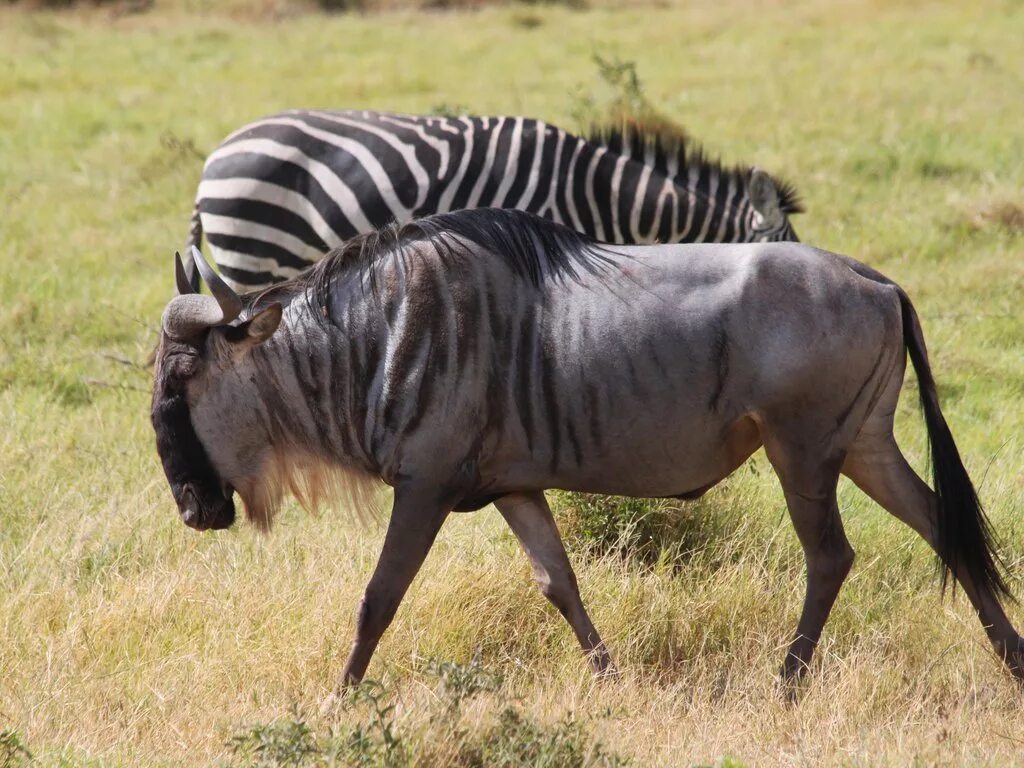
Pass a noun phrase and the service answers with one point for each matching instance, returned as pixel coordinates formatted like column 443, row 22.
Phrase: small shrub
column 652, row 532
column 516, row 741
column 448, row 109
column 620, row 100
column 461, row 682
column 340, row 6
column 508, row 740
column 283, row 743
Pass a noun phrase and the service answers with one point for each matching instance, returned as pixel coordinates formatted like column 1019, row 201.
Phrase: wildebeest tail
column 963, row 536
column 195, row 238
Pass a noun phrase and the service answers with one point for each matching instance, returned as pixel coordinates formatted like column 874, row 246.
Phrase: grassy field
column 128, row 640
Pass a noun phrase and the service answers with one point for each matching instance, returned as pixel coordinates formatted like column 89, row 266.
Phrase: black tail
column 195, row 237
column 963, row 536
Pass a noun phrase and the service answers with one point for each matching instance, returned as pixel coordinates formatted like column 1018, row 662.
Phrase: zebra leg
column 415, row 520
column 529, row 517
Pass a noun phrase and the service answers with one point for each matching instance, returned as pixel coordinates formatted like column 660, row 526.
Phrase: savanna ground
column 128, row 640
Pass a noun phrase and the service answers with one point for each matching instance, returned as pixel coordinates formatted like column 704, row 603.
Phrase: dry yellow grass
column 126, row 639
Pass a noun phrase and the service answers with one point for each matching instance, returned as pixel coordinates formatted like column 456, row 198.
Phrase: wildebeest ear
column 259, row 327
column 764, row 196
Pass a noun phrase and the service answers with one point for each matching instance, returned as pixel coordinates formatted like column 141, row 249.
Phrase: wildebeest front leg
column 415, row 520
column 529, row 517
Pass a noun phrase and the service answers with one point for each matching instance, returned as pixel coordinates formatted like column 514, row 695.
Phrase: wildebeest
column 485, row 356
column 280, row 192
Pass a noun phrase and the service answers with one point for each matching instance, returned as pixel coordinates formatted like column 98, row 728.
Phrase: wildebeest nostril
column 189, row 507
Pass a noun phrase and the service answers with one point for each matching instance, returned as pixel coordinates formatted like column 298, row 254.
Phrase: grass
column 127, row 640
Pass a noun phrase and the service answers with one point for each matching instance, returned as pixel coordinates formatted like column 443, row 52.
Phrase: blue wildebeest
column 486, row 355
column 280, row 192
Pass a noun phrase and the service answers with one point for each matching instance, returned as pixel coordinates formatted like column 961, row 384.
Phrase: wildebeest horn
column 180, row 279
column 190, row 313
column 222, row 292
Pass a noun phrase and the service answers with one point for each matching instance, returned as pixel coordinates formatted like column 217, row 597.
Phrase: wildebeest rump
column 489, row 355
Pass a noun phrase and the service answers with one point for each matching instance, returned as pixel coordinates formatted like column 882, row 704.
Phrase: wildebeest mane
column 672, row 153
column 535, row 248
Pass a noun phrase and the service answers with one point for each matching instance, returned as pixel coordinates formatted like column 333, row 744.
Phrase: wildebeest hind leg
column 879, row 468
column 809, row 484
column 529, row 517
column 415, row 520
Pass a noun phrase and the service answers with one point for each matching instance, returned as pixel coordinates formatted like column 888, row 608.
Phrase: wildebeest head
column 771, row 204
column 198, row 351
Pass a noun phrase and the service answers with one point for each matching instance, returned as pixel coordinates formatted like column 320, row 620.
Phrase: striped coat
column 280, row 192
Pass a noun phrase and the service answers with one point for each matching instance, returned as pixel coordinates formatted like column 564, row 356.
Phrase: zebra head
column 198, row 352
column 770, row 206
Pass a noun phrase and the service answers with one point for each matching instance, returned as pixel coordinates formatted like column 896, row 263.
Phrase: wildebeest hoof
column 1015, row 661
column 333, row 702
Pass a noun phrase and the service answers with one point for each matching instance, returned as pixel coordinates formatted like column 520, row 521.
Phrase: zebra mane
column 535, row 248
column 670, row 151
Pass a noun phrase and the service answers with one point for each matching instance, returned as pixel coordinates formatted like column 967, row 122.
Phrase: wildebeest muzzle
column 209, row 513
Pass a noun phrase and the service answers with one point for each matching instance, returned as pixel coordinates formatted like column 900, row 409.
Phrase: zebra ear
column 764, row 196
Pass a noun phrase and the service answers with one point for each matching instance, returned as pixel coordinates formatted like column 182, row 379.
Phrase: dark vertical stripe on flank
column 565, row 162
column 579, row 189
column 544, row 175
column 721, row 195
column 331, row 403
column 468, row 310
column 592, row 403
column 574, row 441
column 524, row 366
column 309, row 391
column 424, row 389
column 627, row 194
column 552, row 412
column 604, row 195
column 649, row 205
column 357, row 389
column 497, row 173
column 456, row 146
column 664, row 233
column 521, row 165
column 481, row 138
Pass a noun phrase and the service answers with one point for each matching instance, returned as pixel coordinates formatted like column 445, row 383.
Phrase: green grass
column 126, row 639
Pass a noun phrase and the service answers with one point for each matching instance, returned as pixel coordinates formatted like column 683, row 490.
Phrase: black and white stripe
column 279, row 193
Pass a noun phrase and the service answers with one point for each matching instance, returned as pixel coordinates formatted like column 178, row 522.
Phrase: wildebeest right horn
column 222, row 292
column 190, row 313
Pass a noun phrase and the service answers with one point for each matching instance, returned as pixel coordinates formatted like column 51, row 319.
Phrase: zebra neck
column 642, row 201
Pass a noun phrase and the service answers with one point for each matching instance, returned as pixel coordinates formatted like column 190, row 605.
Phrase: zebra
column 280, row 192
column 484, row 356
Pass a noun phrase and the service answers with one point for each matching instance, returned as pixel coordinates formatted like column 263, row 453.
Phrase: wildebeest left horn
column 180, row 278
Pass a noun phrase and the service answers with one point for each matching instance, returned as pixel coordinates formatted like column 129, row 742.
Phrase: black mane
column 671, row 152
column 535, row 248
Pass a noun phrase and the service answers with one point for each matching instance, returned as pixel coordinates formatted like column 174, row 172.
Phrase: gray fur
column 458, row 377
